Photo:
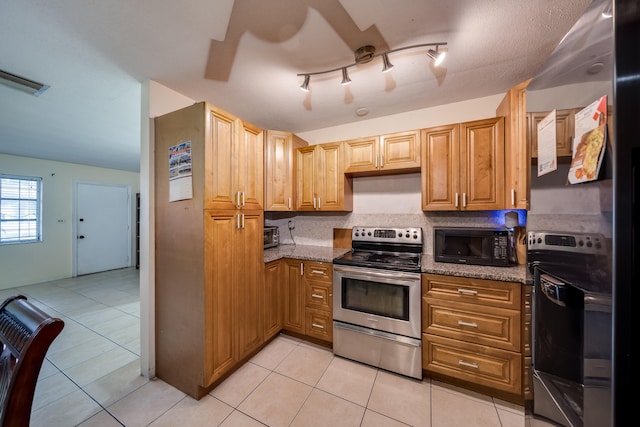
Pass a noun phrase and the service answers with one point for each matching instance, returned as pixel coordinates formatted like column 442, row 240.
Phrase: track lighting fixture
column 437, row 57
column 305, row 85
column 367, row 53
column 345, row 77
column 22, row 83
column 387, row 66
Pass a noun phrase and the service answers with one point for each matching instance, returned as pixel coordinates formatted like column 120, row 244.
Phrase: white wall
column 28, row 263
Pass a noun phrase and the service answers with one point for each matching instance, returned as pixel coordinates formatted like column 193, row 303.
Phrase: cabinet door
column 305, row 176
column 400, row 151
column 482, row 164
column 248, row 166
column 565, row 121
column 517, row 157
column 220, row 322
column 293, row 296
column 247, row 281
column 278, row 171
column 272, row 299
column 219, row 159
column 329, row 180
column 361, row 155
column 440, row 176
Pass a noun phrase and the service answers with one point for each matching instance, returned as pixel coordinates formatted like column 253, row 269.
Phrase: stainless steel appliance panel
column 394, row 353
column 379, row 299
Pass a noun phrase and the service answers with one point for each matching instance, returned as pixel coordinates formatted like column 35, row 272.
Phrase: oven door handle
column 395, row 276
column 553, row 289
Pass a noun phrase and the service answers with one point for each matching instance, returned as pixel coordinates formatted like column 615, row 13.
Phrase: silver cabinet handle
column 243, row 200
column 319, row 203
column 242, row 220
column 302, row 269
column 317, row 272
column 289, row 203
column 316, row 325
column 375, row 163
column 513, row 197
column 470, row 324
column 236, row 199
column 314, row 203
column 468, row 291
column 238, row 221
column 456, row 200
column 464, row 200
column 381, row 161
column 317, row 296
column 467, row 364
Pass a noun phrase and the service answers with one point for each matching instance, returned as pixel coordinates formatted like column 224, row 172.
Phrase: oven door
column 383, row 300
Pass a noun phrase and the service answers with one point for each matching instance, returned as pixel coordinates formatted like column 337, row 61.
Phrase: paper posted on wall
column 547, row 157
column 589, row 143
column 180, row 173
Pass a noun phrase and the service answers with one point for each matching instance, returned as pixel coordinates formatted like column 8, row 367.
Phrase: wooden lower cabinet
column 272, row 300
column 472, row 331
column 308, row 298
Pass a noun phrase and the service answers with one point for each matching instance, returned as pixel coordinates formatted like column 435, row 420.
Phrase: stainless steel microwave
column 478, row 246
column 271, row 237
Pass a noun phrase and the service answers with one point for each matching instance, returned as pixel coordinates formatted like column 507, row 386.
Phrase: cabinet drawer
column 318, row 295
column 491, row 326
column 318, row 271
column 490, row 367
column 319, row 324
column 479, row 291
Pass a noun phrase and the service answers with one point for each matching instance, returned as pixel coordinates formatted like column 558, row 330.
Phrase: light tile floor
column 91, row 377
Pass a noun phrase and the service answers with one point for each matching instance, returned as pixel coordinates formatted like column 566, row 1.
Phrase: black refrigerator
column 599, row 57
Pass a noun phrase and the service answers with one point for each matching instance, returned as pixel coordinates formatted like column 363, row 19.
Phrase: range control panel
column 585, row 243
column 387, row 235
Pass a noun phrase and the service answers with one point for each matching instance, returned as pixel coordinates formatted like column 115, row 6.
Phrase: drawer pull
column 470, row 324
column 317, row 296
column 317, row 325
column 317, row 272
column 467, row 364
column 468, row 291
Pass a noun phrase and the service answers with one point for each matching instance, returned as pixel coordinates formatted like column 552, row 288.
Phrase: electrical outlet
column 292, row 226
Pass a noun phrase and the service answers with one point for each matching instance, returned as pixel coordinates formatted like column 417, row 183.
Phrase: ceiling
column 244, row 57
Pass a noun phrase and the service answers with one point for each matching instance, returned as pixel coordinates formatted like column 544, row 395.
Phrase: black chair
column 26, row 332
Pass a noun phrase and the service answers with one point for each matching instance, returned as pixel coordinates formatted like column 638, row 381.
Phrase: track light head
column 305, row 85
column 345, row 77
column 387, row 66
column 437, row 57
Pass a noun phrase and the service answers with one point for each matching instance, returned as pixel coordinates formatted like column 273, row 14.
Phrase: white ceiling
column 243, row 56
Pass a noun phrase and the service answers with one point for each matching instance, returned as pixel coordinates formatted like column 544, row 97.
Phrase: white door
column 103, row 227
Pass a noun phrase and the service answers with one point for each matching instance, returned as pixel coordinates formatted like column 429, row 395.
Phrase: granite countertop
column 311, row 253
column 517, row 273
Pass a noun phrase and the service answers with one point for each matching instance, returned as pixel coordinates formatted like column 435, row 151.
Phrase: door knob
column 80, row 237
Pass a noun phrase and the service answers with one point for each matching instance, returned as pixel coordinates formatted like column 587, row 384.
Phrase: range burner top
column 387, row 248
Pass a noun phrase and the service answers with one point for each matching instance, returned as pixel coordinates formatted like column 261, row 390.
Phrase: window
column 20, row 209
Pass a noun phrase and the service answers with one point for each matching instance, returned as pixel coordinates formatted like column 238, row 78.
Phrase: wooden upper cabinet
column 440, row 168
column 321, row 182
column 233, row 163
column 565, row 131
column 400, row 151
column 397, row 152
column 279, row 170
column 517, row 157
column 463, row 166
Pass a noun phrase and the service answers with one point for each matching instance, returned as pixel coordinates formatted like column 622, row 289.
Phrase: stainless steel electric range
column 377, row 299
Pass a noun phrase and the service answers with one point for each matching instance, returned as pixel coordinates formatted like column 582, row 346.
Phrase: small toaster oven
column 271, row 237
